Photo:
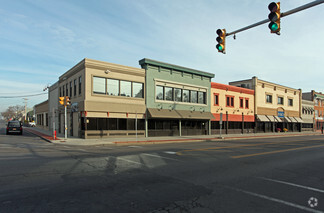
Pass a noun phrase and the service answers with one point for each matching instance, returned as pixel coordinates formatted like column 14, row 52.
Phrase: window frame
column 216, row 99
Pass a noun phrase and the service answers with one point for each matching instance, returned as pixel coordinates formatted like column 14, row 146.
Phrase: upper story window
column 168, row 93
column 67, row 89
column 280, row 100
column 179, row 95
column 247, row 103
column 74, row 87
column 125, row 88
column 116, row 87
column 63, row 91
column 113, row 87
column 99, row 85
column 138, row 90
column 229, row 101
column 80, row 82
column 70, row 88
column 216, row 99
column 159, row 93
column 290, row 102
column 269, row 98
column 60, row 89
column 241, row 103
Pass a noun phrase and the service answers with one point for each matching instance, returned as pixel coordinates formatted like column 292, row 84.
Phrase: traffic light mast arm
column 303, row 7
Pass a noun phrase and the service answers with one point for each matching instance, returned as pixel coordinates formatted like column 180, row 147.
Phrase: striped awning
column 299, row 120
column 287, row 119
column 271, row 118
column 278, row 119
column 263, row 118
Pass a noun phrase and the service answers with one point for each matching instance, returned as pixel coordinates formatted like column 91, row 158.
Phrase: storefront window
column 201, row 97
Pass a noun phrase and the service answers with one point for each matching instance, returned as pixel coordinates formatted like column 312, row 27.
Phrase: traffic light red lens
column 273, row 6
column 220, row 32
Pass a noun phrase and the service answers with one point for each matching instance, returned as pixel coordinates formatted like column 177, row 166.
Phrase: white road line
column 293, row 184
column 171, row 153
column 130, row 161
column 158, row 156
column 135, row 146
column 276, row 200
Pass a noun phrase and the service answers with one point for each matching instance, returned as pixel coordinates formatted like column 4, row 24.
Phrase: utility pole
column 25, row 101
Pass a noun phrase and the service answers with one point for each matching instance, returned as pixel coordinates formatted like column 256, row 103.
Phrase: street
column 279, row 174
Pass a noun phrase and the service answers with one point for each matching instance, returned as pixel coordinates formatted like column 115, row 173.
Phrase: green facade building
column 177, row 100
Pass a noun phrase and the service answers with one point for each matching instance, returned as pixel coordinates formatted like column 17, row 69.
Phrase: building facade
column 233, row 107
column 307, row 115
column 107, row 100
column 53, row 115
column 318, row 99
column 41, row 115
column 277, row 107
column 177, row 100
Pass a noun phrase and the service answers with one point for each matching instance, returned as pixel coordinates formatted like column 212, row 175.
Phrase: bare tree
column 13, row 112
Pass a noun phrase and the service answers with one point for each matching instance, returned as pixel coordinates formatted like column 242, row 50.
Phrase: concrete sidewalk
column 47, row 135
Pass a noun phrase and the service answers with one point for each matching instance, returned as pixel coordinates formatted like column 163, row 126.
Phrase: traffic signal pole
column 65, row 122
column 298, row 9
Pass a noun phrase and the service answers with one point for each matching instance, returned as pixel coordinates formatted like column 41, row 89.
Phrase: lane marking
column 235, row 146
column 135, row 146
column 130, row 161
column 169, row 152
column 274, row 152
column 276, row 200
column 158, row 156
column 292, row 184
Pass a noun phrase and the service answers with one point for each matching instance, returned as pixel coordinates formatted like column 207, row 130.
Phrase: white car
column 32, row 123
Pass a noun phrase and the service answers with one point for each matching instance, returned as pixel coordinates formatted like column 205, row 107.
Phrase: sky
column 42, row 39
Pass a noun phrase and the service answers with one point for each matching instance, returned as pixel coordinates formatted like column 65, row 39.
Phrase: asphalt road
column 254, row 175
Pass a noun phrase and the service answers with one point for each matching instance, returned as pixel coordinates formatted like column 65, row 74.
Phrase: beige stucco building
column 308, row 115
column 276, row 106
column 106, row 100
column 41, row 115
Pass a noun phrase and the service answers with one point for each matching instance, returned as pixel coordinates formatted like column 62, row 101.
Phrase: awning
column 287, row 119
column 299, row 120
column 277, row 118
column 308, row 121
column 293, row 119
column 163, row 113
column 186, row 114
column 262, row 118
column 271, row 118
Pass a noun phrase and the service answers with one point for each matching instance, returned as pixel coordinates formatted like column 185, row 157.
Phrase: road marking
column 130, row 161
column 135, row 146
column 274, row 152
column 171, row 153
column 82, row 150
column 292, row 184
column 234, row 146
column 276, row 200
column 158, row 156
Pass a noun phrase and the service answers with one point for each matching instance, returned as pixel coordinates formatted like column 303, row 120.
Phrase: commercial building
column 307, row 115
column 318, row 99
column 177, row 100
column 233, row 107
column 277, row 107
column 107, row 100
column 41, row 114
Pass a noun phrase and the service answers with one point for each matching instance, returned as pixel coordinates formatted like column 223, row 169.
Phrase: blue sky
column 42, row 39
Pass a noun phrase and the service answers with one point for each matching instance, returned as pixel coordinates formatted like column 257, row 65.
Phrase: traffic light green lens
column 273, row 26
column 219, row 47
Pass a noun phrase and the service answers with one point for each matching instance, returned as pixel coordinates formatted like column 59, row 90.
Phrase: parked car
column 32, row 123
column 14, row 127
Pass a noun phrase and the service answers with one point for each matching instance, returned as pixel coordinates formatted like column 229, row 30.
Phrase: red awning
column 231, row 117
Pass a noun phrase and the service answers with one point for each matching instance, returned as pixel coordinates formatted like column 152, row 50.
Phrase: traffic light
column 274, row 17
column 61, row 100
column 67, row 101
column 221, row 40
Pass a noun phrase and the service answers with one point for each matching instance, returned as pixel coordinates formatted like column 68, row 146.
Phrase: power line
column 22, row 96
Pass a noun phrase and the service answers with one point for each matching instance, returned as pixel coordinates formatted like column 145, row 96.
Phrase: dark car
column 14, row 127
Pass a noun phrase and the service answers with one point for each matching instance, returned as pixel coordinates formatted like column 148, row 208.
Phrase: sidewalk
column 47, row 136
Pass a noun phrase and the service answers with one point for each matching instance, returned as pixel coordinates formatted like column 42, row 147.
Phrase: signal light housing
column 221, row 40
column 61, row 100
column 274, row 17
column 67, row 101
